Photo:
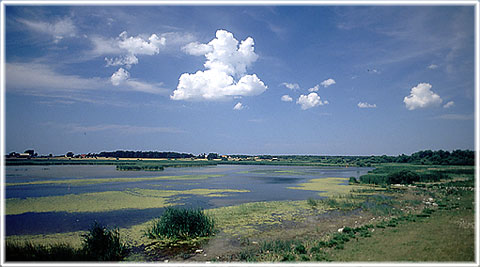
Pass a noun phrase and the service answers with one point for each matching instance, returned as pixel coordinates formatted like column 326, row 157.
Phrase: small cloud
column 327, row 83
column 366, row 105
column 238, row 106
column 286, row 98
column 291, row 86
column 309, row 101
column 127, row 60
column 314, row 89
column 119, row 77
column 421, row 97
column 131, row 46
column 432, row 66
column 449, row 104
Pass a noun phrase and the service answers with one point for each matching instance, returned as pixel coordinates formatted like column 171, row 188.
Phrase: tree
column 212, row 156
column 69, row 154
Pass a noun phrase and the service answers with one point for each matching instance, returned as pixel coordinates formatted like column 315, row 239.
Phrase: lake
column 66, row 198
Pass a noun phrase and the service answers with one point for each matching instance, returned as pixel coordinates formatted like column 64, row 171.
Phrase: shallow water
column 265, row 183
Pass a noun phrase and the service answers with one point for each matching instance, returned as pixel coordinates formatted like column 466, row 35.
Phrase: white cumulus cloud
column 119, row 77
column 291, row 86
column 197, row 49
column 314, row 89
column 366, row 105
column 286, row 98
column 130, row 47
column 421, row 97
column 309, row 101
column 449, row 104
column 226, row 61
column 327, row 82
column 432, row 66
column 238, row 106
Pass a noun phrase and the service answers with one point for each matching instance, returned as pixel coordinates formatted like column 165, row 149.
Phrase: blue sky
column 321, row 80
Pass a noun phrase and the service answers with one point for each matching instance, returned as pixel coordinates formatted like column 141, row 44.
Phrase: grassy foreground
column 445, row 236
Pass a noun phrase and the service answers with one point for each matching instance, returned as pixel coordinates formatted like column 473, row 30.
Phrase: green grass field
column 446, row 236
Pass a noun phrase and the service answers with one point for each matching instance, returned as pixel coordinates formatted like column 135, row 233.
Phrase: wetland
column 266, row 213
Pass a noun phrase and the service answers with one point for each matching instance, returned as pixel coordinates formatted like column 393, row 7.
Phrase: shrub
column 179, row 223
column 300, row 249
column 102, row 244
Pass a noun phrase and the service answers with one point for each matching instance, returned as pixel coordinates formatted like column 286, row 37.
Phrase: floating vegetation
column 327, row 186
column 249, row 218
column 106, row 201
column 83, row 181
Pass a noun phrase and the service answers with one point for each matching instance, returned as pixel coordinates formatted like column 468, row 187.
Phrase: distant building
column 24, row 155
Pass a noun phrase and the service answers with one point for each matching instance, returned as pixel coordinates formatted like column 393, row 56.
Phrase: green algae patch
column 73, row 239
column 252, row 218
column 107, row 201
column 277, row 172
column 117, row 180
column 327, row 186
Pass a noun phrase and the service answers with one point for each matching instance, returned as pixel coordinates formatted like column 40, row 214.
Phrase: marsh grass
column 408, row 174
column 180, row 223
column 140, row 167
column 28, row 251
column 103, row 244
column 99, row 244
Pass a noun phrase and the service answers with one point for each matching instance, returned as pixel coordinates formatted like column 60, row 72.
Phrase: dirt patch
column 224, row 248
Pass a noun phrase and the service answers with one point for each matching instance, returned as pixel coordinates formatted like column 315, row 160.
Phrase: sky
column 316, row 80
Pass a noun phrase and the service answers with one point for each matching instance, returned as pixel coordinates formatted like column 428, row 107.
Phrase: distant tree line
column 142, row 154
column 424, row 157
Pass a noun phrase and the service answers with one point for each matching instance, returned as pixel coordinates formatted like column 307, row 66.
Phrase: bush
column 102, row 244
column 179, row 223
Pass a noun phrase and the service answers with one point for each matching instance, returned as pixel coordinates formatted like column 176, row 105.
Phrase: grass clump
column 99, row 244
column 312, row 203
column 28, row 251
column 180, row 223
column 103, row 244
